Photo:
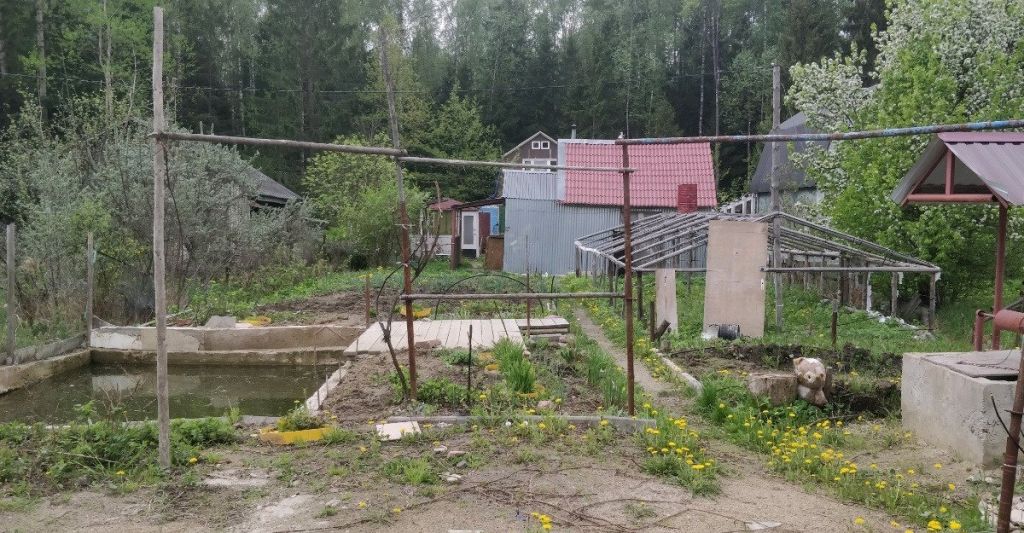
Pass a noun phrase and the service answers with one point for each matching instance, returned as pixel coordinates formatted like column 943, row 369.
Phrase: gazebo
column 971, row 168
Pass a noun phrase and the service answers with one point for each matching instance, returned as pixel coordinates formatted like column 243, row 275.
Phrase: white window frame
column 535, row 145
column 544, row 145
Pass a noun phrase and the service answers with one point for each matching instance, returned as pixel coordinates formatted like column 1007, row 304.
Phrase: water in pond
column 196, row 391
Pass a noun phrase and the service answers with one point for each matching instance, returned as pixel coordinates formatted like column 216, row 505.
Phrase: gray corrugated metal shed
column 551, row 229
column 525, row 185
column 984, row 162
column 791, row 176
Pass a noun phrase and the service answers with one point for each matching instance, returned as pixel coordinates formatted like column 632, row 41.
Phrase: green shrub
column 454, row 356
column 299, row 419
column 441, row 391
column 518, row 372
column 410, row 471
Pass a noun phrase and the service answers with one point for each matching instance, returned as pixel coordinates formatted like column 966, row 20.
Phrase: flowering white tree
column 939, row 62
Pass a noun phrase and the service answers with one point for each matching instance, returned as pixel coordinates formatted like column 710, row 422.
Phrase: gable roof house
column 795, row 185
column 537, row 149
column 270, row 193
column 545, row 213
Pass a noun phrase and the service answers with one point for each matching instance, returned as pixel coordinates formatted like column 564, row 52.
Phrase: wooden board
column 735, row 290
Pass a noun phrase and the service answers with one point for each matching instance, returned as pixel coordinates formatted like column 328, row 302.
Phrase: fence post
column 12, row 296
column 90, row 259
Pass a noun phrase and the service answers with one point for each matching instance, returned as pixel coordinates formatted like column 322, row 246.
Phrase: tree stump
column 779, row 388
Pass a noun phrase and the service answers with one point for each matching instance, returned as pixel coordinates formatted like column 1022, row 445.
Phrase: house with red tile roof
column 545, row 213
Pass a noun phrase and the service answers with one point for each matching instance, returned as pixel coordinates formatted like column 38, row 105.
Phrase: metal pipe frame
column 512, row 296
column 836, row 136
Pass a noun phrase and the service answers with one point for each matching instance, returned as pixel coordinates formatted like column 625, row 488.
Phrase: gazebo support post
column 1000, row 271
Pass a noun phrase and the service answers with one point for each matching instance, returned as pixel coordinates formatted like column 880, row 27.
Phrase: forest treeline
column 308, row 69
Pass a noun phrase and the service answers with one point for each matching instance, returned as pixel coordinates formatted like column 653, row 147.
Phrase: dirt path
column 643, row 376
column 747, row 480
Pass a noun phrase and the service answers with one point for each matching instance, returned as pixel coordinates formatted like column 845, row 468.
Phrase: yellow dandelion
column 362, row 505
column 859, row 521
column 193, row 460
column 934, row 525
column 396, row 510
column 951, row 486
column 604, row 423
column 938, row 466
column 954, row 525
column 120, row 472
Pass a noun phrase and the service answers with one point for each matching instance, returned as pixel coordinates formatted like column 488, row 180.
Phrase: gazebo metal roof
column 660, row 241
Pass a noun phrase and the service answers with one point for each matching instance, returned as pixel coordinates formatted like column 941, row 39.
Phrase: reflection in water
column 196, row 390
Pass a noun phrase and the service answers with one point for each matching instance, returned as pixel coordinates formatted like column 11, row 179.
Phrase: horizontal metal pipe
column 280, row 143
column 499, row 164
column 519, row 296
column 952, row 198
column 1008, row 320
column 853, row 269
column 837, row 136
column 366, row 150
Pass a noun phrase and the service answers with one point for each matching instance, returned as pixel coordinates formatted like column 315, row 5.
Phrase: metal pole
column 1000, row 272
column 776, row 199
column 931, row 302
column 469, row 370
column 1013, row 321
column 90, row 260
column 840, row 136
column 528, row 306
column 403, row 211
column 627, row 284
column 12, row 293
column 159, row 276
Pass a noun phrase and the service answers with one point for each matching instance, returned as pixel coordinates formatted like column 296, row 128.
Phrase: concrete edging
column 14, row 377
column 314, row 402
column 691, row 381
column 621, row 423
column 284, row 356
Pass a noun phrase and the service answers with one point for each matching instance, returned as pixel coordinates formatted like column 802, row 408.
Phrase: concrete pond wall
column 281, row 345
column 950, row 409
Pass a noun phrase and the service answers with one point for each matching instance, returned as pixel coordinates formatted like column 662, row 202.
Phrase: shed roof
column 660, row 169
column 446, row 204
column 791, row 176
column 269, row 190
column 979, row 167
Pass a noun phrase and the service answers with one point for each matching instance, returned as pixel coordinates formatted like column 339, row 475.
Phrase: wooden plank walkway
column 453, row 333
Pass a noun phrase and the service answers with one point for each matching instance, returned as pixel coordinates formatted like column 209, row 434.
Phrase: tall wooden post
column 12, row 293
column 90, row 275
column 403, row 208
column 931, row 306
column 894, row 294
column 776, row 199
column 627, row 282
column 159, row 287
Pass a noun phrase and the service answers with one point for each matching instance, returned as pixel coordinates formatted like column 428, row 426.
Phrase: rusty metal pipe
column 1000, row 274
column 1011, row 321
column 979, row 328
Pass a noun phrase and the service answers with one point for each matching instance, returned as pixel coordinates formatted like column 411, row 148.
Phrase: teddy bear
column 812, row 380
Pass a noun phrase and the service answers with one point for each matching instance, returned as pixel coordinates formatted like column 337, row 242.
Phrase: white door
column 469, row 231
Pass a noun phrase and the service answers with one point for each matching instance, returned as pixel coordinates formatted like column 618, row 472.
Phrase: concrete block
column 949, row 409
column 666, row 306
column 778, row 388
column 221, row 322
column 396, row 430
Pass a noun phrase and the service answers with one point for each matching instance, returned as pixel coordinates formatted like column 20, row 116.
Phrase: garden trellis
column 400, row 156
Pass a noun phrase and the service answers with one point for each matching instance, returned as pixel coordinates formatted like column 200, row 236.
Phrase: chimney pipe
column 573, row 134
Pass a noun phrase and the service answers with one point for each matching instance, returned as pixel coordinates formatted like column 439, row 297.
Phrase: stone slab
column 997, row 364
column 395, row 430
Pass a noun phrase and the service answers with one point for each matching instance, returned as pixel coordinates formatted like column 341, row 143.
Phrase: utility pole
column 159, row 274
column 776, row 200
column 12, row 293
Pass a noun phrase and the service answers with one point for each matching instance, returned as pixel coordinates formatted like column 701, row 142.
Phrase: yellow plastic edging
column 274, row 436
